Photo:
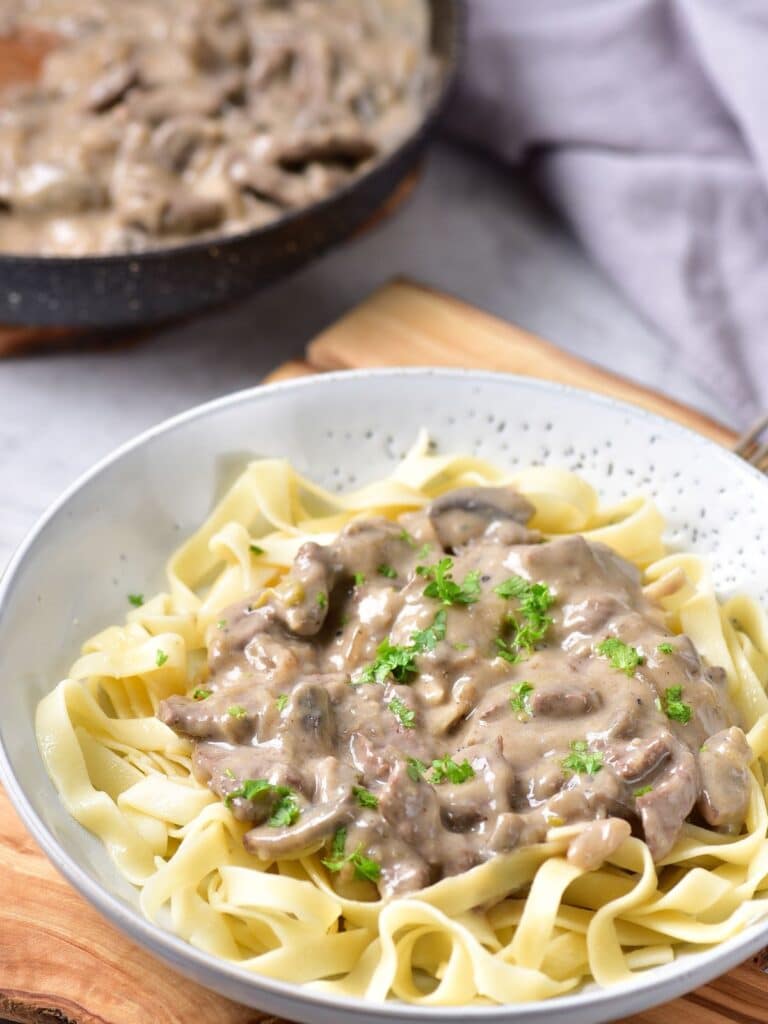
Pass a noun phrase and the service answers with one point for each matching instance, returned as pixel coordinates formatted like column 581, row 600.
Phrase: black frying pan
column 120, row 290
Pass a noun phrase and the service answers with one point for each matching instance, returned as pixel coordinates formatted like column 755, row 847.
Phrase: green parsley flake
column 508, row 652
column 520, row 697
column 364, row 797
column 285, row 809
column 229, row 773
column 408, row 538
column 322, row 599
column 391, row 659
column 515, row 586
column 642, row 791
column 160, row 658
column 249, row 789
column 221, row 623
column 621, row 655
column 387, row 570
column 201, row 694
column 415, row 769
column 359, row 579
column 424, row 551
column 445, row 588
column 459, row 646
column 256, row 550
column 582, row 760
column 405, row 715
column 665, row 649
column 236, row 711
column 137, row 600
column 400, row 661
column 446, row 769
column 281, row 701
column 427, row 639
column 674, row 708
column 535, row 600
column 365, row 867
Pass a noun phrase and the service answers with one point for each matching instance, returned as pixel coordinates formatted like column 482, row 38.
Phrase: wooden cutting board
column 59, row 960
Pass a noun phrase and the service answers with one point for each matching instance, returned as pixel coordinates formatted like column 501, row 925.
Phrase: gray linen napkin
column 647, row 123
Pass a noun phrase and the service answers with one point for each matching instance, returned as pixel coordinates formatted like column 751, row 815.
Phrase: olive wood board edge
column 59, row 959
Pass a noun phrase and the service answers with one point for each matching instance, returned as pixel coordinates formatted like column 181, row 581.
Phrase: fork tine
column 746, row 443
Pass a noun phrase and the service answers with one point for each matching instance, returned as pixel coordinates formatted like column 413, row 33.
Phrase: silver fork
column 751, row 447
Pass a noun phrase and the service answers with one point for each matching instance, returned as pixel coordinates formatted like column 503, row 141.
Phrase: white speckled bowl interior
column 112, row 532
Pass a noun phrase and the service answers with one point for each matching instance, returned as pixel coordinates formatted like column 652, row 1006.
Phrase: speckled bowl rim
column 652, row 987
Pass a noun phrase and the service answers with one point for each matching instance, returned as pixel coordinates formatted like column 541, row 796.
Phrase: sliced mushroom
column 462, row 515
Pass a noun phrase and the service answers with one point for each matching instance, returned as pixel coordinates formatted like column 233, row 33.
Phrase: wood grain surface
column 59, row 960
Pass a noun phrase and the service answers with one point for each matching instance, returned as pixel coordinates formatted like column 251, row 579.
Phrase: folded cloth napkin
column 647, row 123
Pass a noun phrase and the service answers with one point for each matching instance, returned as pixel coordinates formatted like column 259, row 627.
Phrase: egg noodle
column 523, row 926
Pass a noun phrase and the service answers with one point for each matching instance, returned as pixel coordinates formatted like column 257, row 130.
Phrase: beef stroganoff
column 461, row 736
column 157, row 122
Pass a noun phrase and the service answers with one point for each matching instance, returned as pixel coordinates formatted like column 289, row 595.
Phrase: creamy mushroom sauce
column 154, row 121
column 582, row 741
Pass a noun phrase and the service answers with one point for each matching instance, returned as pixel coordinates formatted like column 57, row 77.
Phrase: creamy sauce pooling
column 154, row 121
column 413, row 716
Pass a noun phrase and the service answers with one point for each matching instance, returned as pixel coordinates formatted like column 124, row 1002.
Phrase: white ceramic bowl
column 110, row 534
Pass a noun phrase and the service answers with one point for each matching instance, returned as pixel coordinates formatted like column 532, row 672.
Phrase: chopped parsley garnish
column 322, row 599
column 201, row 694
column 405, row 715
column 535, row 600
column 582, row 760
column 408, row 538
column 387, row 570
column 160, row 658
column 445, row 588
column 459, row 646
column 236, row 711
column 229, row 773
column 519, row 699
column 665, row 648
column 446, row 769
column 515, row 586
column 221, row 623
column 621, row 655
column 424, row 550
column 137, row 600
column 249, row 789
column 364, row 797
column 415, row 769
column 400, row 661
column 674, row 707
column 365, row 867
column 281, row 701
column 391, row 659
column 359, row 579
column 508, row 652
column 642, row 791
column 255, row 549
column 427, row 639
column 285, row 810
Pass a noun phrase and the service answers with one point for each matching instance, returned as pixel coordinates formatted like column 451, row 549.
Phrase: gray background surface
column 470, row 228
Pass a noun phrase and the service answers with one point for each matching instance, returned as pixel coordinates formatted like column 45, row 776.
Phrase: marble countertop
column 470, row 227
